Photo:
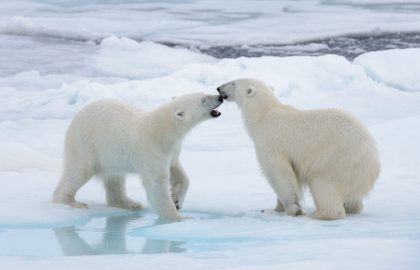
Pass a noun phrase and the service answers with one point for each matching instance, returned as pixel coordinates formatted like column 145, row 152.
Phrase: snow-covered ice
column 208, row 21
column 226, row 228
column 45, row 80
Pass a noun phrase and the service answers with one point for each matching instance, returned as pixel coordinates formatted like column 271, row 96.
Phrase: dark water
column 347, row 46
column 23, row 53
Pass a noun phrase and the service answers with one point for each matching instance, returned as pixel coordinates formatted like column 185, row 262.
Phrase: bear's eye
column 203, row 100
column 233, row 84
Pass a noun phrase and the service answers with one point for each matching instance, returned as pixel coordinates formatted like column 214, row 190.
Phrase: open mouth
column 215, row 113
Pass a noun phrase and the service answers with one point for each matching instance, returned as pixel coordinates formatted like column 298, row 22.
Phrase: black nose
column 221, row 98
column 218, row 89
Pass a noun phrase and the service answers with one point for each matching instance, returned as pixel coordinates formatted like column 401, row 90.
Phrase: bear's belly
column 114, row 165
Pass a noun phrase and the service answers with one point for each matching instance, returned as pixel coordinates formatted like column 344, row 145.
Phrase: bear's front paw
column 170, row 218
column 127, row 204
column 294, row 210
column 78, row 204
column 270, row 211
column 328, row 214
column 175, row 199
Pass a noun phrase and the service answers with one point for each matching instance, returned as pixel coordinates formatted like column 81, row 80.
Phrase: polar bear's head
column 196, row 107
column 243, row 90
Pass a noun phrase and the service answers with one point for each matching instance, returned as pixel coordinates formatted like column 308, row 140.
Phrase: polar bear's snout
column 226, row 90
column 215, row 101
column 222, row 93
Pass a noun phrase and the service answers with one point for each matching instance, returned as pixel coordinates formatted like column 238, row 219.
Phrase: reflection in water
column 162, row 246
column 113, row 240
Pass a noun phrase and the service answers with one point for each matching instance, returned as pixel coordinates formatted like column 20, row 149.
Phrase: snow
column 23, row 158
column 140, row 58
column 206, row 22
column 381, row 67
column 23, row 26
column 225, row 227
column 45, row 80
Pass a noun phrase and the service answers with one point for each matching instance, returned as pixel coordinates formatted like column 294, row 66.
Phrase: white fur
column 109, row 138
column 327, row 150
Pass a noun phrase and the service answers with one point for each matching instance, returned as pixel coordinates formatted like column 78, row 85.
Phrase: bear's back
column 102, row 120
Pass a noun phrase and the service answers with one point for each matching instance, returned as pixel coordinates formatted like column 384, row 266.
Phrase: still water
column 97, row 236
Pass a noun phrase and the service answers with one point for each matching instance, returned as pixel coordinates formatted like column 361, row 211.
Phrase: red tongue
column 215, row 113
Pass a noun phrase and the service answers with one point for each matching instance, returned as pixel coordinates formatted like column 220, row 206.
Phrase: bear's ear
column 250, row 92
column 272, row 88
column 174, row 97
column 180, row 114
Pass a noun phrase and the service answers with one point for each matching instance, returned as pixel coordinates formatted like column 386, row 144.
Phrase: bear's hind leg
column 71, row 181
column 353, row 206
column 329, row 204
column 116, row 193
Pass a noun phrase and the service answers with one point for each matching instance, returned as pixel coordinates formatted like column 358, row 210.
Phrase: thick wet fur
column 109, row 138
column 327, row 150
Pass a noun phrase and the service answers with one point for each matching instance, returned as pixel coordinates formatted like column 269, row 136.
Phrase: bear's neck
column 255, row 110
column 163, row 126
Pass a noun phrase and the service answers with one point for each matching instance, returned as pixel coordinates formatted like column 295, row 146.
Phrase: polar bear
column 109, row 138
column 326, row 150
